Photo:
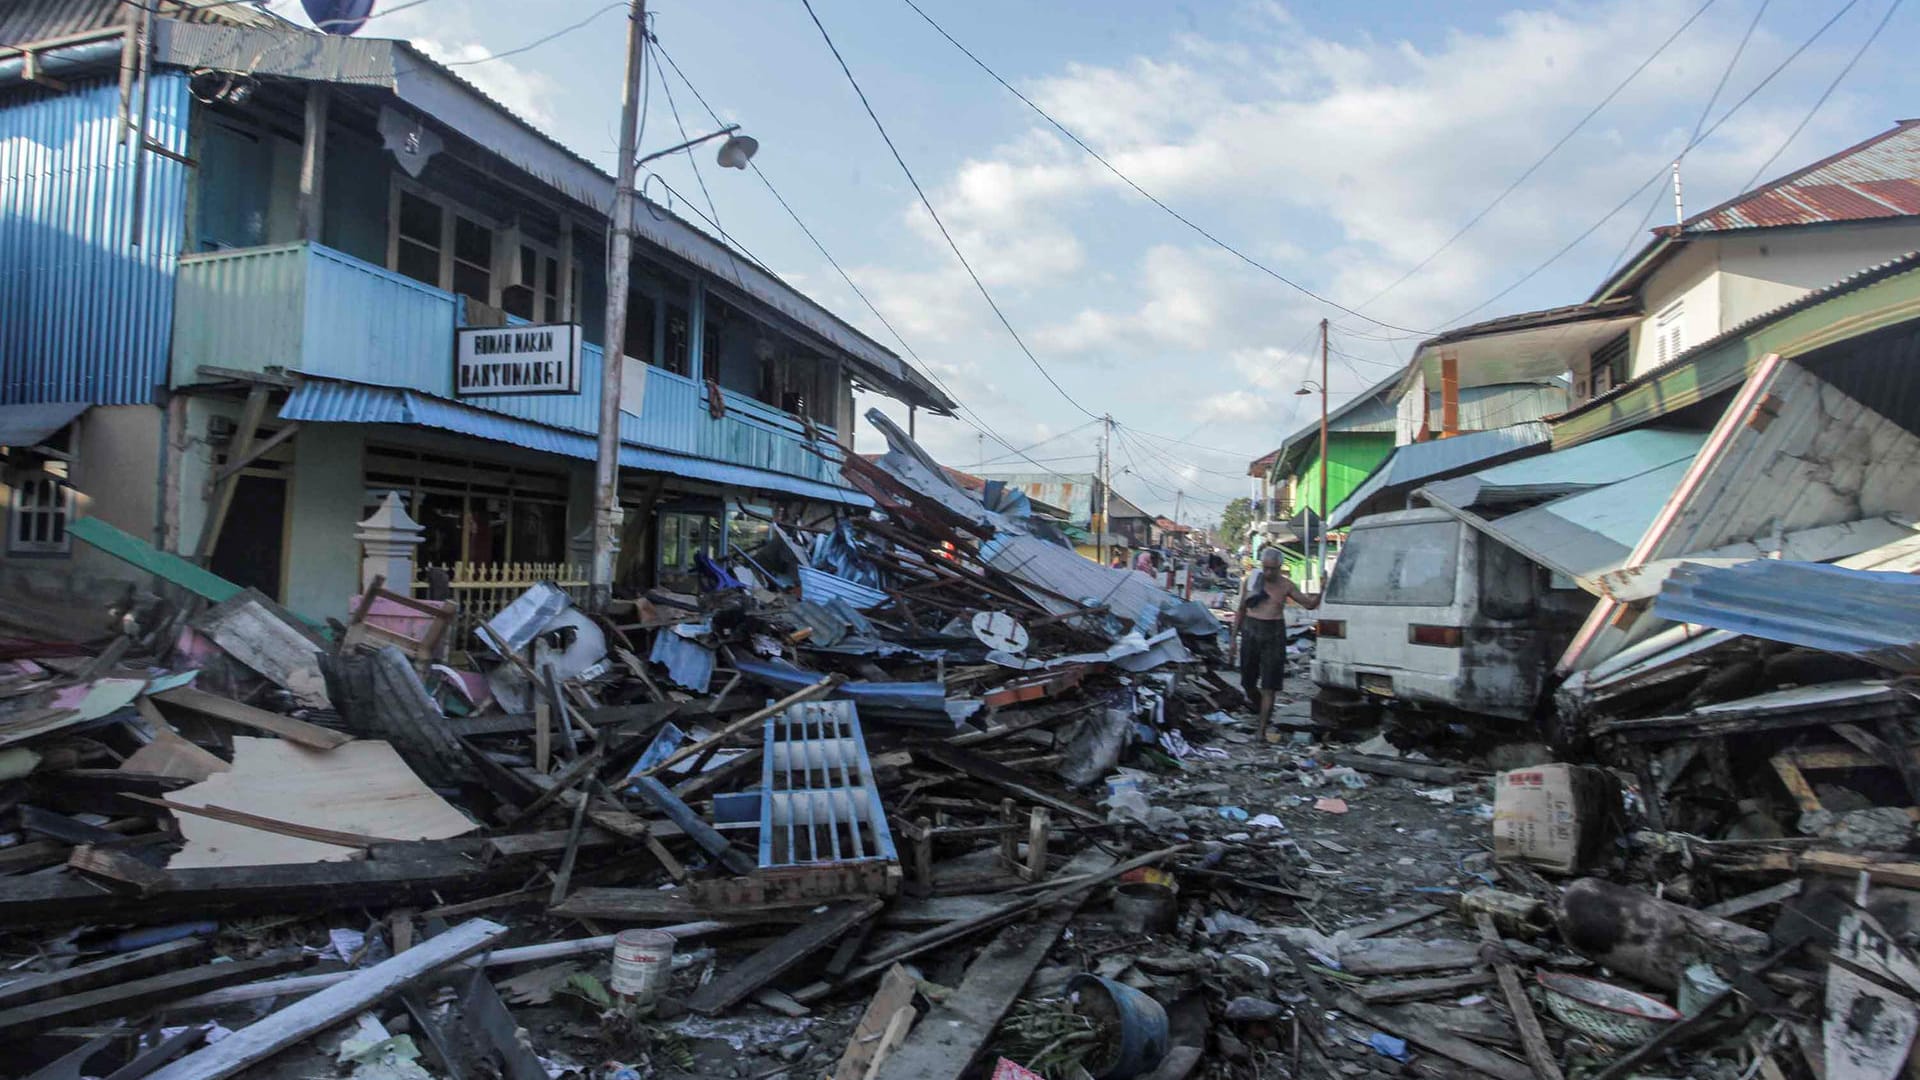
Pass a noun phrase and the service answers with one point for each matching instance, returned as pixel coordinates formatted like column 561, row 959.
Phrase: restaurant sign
column 491, row 361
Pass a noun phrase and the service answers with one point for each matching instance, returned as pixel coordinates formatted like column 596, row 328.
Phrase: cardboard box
column 1556, row 817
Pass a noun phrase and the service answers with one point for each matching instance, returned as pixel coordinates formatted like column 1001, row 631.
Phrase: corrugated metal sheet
column 23, row 22
column 1878, row 178
column 1868, row 614
column 819, row 586
column 85, row 304
column 1587, row 534
column 29, row 425
column 327, row 401
column 1595, row 464
column 689, row 664
column 1418, row 462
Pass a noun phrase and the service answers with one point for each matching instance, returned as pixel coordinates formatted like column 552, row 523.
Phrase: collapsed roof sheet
column 1873, row 615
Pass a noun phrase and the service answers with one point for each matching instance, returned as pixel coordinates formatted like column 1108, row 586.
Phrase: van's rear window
column 1411, row 564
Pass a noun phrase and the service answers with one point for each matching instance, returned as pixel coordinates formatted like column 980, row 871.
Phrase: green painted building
column 1360, row 435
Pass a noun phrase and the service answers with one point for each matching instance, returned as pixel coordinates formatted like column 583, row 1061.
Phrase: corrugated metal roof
column 23, row 22
column 1589, row 465
column 1878, row 178
column 326, row 401
column 819, row 586
column 1868, row 614
column 29, row 425
column 1421, row 461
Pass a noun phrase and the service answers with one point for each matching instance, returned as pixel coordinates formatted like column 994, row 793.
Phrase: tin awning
column 327, row 401
column 31, row 425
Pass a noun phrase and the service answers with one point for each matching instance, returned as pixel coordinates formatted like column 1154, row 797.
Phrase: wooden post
column 1449, row 395
column 222, row 498
column 313, row 162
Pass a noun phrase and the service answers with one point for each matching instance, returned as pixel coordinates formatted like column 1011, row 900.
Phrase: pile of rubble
column 919, row 794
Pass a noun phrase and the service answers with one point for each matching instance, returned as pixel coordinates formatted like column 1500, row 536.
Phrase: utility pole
column 606, row 473
column 1106, row 485
column 1679, row 208
column 1322, row 574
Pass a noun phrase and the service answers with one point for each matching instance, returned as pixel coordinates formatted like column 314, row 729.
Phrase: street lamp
column 1307, row 388
column 734, row 154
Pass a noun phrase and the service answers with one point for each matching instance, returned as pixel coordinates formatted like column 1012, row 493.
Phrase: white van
column 1423, row 611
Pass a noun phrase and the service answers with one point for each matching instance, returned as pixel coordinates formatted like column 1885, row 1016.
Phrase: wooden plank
column 141, row 555
column 1087, row 870
column 1396, row 921
column 894, row 995
column 947, row 1041
column 1396, row 956
column 1428, row 1037
column 235, row 712
column 265, row 824
column 1534, row 1040
column 135, row 997
column 103, row 972
column 1383, row 993
column 1014, row 782
column 310, row 888
column 1754, row 901
column 769, row 963
column 1796, row 784
column 657, row 905
column 170, row 754
column 251, row 414
column 295, row 1023
column 756, row 717
column 118, row 868
column 1406, row 770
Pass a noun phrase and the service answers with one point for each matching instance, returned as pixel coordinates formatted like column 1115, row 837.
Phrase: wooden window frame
column 450, row 210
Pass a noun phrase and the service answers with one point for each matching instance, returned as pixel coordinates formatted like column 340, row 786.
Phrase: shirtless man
column 1260, row 629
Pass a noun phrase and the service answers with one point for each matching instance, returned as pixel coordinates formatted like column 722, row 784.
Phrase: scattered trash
column 1330, row 805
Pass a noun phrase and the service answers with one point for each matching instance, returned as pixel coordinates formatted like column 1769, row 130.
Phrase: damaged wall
column 1792, row 452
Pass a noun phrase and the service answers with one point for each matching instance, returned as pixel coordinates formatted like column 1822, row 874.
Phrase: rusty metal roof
column 1879, row 178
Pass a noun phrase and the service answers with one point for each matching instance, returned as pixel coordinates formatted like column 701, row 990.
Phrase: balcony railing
column 306, row 308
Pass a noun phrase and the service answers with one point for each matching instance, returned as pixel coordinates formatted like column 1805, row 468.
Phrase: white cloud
column 1231, row 407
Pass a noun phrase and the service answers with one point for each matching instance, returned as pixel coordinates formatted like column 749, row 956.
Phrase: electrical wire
column 1705, row 111
column 1635, row 194
column 1542, row 159
column 1143, row 192
column 965, row 414
column 935, row 215
column 1824, row 95
column 693, row 160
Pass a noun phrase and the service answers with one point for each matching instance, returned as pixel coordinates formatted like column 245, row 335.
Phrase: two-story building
column 254, row 278
column 1691, row 282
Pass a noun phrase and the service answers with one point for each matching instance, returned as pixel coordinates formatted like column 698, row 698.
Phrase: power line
column 1824, row 95
column 1144, row 193
column 977, row 422
column 1705, row 111
column 1635, row 194
column 693, row 160
column 1542, row 159
column 935, row 215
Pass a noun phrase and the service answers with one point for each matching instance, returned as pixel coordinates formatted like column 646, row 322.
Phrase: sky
column 1339, row 145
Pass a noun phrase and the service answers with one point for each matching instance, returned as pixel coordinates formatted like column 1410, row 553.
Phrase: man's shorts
column 1263, row 655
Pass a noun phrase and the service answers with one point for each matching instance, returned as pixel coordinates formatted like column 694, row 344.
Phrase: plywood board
column 250, row 632
column 362, row 787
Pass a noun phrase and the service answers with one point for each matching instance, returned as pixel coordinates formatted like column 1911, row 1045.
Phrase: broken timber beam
column 769, row 963
column 266, row 1037
column 1405, row 770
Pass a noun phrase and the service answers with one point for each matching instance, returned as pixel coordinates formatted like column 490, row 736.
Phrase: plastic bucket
column 1139, row 1024
column 1144, row 908
column 642, row 964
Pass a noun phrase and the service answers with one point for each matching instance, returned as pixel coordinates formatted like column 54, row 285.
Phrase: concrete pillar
column 388, row 538
column 580, row 548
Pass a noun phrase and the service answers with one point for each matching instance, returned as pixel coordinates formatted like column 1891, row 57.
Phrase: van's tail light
column 1445, row 637
column 1331, row 628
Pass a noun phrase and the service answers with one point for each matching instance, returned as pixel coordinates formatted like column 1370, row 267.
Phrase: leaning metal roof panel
column 1868, row 614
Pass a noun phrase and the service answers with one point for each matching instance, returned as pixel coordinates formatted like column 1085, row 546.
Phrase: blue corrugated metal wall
column 85, row 313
